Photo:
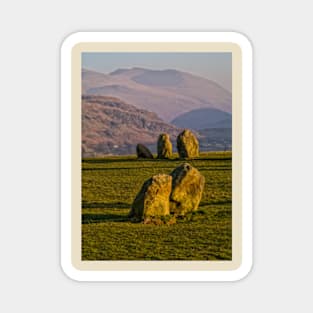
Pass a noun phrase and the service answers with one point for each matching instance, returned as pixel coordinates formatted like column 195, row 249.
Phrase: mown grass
column 109, row 186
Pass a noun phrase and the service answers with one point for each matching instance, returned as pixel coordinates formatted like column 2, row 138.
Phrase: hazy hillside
column 91, row 79
column 111, row 126
column 169, row 93
column 215, row 139
column 203, row 118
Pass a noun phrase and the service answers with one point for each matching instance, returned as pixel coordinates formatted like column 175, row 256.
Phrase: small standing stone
column 164, row 147
column 187, row 145
column 143, row 152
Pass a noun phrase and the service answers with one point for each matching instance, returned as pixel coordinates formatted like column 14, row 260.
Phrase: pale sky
column 216, row 66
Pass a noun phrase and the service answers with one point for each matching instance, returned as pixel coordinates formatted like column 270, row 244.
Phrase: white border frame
column 66, row 157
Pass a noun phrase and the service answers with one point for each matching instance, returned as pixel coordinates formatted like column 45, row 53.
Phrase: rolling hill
column 203, row 118
column 111, row 126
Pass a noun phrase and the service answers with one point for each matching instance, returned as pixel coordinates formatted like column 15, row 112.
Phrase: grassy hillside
column 109, row 186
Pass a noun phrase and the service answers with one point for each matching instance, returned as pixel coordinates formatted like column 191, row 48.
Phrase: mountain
column 112, row 126
column 226, row 123
column 169, row 93
column 203, row 118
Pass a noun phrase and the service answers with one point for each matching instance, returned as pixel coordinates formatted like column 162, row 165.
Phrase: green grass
column 109, row 186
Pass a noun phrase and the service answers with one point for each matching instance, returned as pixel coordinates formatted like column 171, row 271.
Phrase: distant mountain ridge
column 169, row 92
column 203, row 119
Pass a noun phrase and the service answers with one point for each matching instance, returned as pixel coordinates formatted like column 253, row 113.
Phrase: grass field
column 109, row 186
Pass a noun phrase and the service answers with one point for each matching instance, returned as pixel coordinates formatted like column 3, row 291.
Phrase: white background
column 30, row 276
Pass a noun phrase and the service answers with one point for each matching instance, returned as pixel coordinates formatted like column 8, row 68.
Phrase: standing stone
column 164, row 146
column 153, row 198
column 143, row 152
column 187, row 145
column 187, row 188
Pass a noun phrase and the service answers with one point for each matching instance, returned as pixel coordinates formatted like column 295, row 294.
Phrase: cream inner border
column 235, row 49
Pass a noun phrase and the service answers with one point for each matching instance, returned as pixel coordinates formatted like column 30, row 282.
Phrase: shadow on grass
column 222, row 158
column 155, row 160
column 119, row 160
column 100, row 205
column 95, row 161
column 119, row 168
column 102, row 218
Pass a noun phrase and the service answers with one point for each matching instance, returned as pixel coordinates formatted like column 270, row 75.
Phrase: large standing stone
column 187, row 144
column 164, row 146
column 153, row 198
column 187, row 188
column 143, row 152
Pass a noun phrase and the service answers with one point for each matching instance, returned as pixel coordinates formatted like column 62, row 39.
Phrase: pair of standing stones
column 177, row 193
column 187, row 146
